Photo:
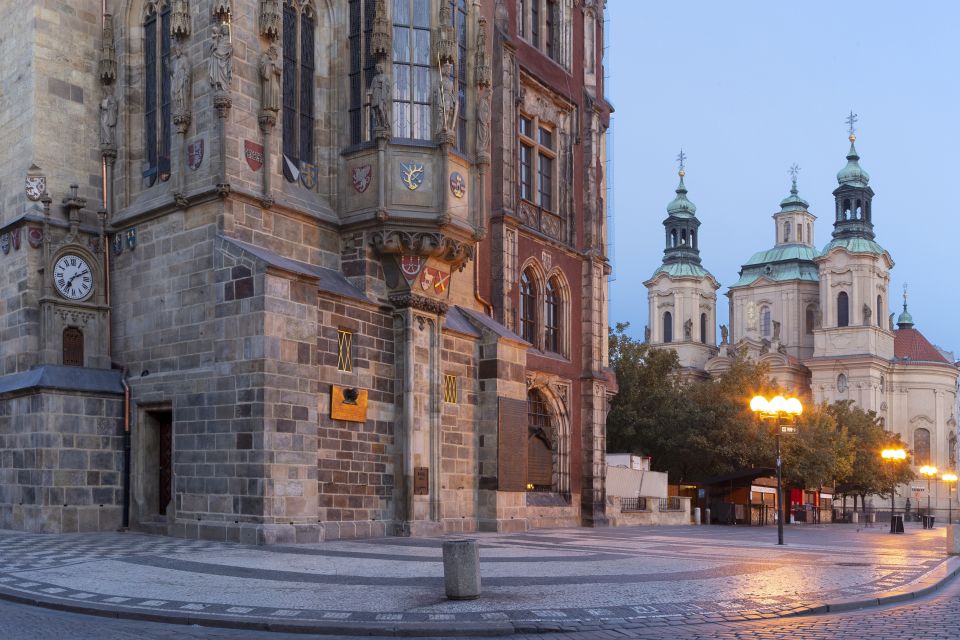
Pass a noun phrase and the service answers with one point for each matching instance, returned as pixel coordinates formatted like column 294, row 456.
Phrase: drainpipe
column 126, row 449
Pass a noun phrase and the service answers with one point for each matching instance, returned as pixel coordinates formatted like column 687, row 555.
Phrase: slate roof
column 909, row 345
column 65, row 378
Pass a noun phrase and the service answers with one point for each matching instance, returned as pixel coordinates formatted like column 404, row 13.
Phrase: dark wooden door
column 164, row 462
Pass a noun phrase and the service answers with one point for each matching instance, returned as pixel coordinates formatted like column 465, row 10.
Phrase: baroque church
column 281, row 271
column 818, row 317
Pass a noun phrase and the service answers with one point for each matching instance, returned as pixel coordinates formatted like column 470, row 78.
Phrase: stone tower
column 855, row 342
column 682, row 294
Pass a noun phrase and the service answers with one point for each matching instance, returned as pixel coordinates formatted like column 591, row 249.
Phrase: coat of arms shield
column 362, row 177
column 308, row 175
column 15, row 239
column 36, row 186
column 410, row 266
column 35, row 236
column 195, row 154
column 253, row 153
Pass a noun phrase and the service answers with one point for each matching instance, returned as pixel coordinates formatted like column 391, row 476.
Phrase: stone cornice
column 431, row 244
column 421, row 303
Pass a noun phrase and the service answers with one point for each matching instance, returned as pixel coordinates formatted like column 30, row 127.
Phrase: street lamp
column 930, row 472
column 783, row 413
column 950, row 479
column 893, row 455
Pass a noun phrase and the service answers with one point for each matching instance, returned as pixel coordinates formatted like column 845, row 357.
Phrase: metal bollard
column 461, row 569
column 706, row 516
column 696, row 515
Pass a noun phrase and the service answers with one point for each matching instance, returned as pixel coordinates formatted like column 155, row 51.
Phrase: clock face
column 72, row 277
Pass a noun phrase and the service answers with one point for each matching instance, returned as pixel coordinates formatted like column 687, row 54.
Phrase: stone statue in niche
column 181, row 81
column 483, row 120
column 447, row 106
column 380, row 99
column 776, row 331
column 724, row 334
column 108, row 120
column 220, row 66
column 688, row 329
column 270, row 73
column 867, row 314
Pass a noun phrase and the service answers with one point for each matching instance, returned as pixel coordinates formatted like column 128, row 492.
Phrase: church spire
column 681, row 224
column 794, row 202
column 905, row 320
column 854, row 215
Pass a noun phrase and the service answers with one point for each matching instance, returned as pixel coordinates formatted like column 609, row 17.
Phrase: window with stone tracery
column 298, row 77
column 411, row 69
column 362, row 69
column 158, row 119
column 528, row 307
column 539, row 450
column 460, row 28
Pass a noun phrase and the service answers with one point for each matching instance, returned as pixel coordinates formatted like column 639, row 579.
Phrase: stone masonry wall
column 459, row 435
column 355, row 461
column 19, row 309
column 61, row 462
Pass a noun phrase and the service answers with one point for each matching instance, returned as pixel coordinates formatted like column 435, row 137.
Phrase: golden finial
column 851, row 121
column 682, row 158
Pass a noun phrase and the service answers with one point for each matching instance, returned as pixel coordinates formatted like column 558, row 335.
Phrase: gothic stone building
column 818, row 318
column 294, row 270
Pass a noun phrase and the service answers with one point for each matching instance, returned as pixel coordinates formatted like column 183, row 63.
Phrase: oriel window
column 460, row 25
column 411, row 69
column 362, row 69
column 298, row 67
column 158, row 119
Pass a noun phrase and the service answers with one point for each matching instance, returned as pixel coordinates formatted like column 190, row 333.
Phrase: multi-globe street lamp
column 929, row 472
column 950, row 479
column 893, row 456
column 783, row 413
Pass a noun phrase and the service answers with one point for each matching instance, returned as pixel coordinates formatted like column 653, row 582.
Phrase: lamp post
column 893, row 456
column 783, row 413
column 930, row 473
column 950, row 479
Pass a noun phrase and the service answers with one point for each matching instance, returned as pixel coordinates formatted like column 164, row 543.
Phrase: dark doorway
column 164, row 460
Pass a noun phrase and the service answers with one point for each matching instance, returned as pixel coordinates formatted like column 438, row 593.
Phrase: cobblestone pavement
column 630, row 579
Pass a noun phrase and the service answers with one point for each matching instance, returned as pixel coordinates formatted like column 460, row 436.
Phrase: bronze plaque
column 512, row 445
column 348, row 403
column 421, row 481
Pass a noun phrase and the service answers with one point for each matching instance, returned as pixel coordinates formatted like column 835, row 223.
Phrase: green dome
column 904, row 320
column 680, row 206
column 794, row 202
column 853, row 174
column 854, row 245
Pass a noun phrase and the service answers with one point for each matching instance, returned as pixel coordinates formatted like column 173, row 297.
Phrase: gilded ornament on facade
column 412, row 174
column 458, row 186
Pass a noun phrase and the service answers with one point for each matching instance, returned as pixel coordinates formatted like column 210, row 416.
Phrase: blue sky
column 747, row 88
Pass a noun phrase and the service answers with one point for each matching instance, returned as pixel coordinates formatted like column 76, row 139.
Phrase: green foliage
column 697, row 429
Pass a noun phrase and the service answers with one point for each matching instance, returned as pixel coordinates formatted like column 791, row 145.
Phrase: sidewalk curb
column 926, row 584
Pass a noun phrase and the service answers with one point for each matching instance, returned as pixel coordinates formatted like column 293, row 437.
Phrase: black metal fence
column 633, row 504
column 670, row 504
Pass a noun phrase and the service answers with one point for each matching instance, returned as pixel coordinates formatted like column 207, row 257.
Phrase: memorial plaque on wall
column 421, row 481
column 512, row 445
column 348, row 403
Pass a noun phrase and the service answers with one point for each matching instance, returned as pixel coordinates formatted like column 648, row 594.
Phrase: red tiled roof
column 909, row 344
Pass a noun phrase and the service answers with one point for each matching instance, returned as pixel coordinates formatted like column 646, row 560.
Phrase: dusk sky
column 748, row 88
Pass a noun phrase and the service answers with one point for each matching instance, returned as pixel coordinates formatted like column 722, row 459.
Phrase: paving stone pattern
column 556, row 580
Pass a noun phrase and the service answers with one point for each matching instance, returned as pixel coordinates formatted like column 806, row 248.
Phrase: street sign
column 787, row 429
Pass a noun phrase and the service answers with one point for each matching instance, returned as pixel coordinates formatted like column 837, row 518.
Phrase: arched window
column 846, row 210
column 766, row 322
column 921, row 446
column 551, row 317
column 880, row 314
column 528, row 308
column 667, row 326
column 809, row 234
column 703, row 328
column 693, row 239
column 843, row 310
column 683, row 238
column 411, row 69
column 158, row 119
column 786, row 231
column 539, row 449
column 799, row 232
column 810, row 319
column 298, row 65
column 673, row 238
column 72, row 347
column 842, row 384
column 362, row 70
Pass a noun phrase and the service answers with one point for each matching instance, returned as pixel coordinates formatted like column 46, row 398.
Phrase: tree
column 819, row 452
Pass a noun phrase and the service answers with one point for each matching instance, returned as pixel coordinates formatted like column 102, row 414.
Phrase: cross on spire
column 852, row 121
column 793, row 171
column 682, row 159
column 905, row 294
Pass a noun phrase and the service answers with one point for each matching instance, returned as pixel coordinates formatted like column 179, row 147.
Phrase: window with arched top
column 667, row 326
column 552, row 317
column 703, row 328
column 540, row 432
column 843, row 309
column 921, row 446
column 786, row 231
column 842, row 384
column 528, row 307
column 72, row 347
column 810, row 320
column 411, row 69
column 766, row 322
column 673, row 238
column 683, row 237
column 298, row 79
column 693, row 239
column 362, row 69
column 799, row 232
column 157, row 105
